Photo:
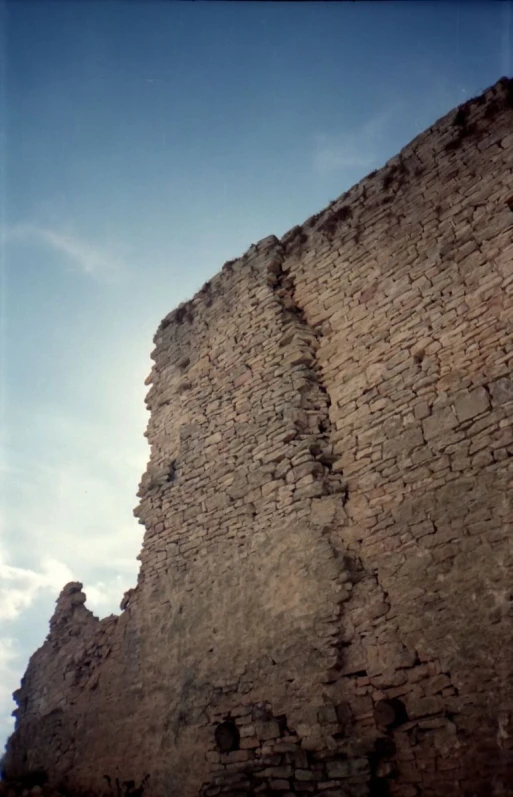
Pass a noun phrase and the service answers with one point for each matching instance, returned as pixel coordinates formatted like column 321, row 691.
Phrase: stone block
column 469, row 405
column 249, row 743
column 325, row 510
column 421, row 410
column 403, row 443
column 501, row 391
column 267, row 730
column 305, row 775
column 338, row 769
column 278, row 772
column 327, row 715
column 439, row 423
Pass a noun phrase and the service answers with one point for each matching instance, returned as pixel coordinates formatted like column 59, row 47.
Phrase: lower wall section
column 255, row 752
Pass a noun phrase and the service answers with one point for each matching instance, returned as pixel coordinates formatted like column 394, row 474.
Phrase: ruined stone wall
column 324, row 602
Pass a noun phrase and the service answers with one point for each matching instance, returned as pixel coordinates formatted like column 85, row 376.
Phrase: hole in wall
column 171, row 473
column 282, row 724
column 227, row 737
column 390, row 713
column 418, row 357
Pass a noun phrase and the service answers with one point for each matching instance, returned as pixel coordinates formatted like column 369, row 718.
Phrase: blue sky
column 142, row 146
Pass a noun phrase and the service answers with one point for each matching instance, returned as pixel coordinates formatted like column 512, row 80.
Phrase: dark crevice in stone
column 126, row 788
column 334, row 219
column 171, row 474
column 315, row 399
column 382, row 768
column 390, row 714
column 464, row 131
column 227, row 737
column 184, row 313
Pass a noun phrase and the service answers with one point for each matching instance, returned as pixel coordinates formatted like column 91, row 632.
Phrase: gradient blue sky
column 142, row 145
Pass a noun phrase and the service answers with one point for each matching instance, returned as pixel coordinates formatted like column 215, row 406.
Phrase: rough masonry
column 325, row 598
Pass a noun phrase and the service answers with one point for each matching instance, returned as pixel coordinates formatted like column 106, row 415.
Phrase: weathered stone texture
column 327, row 560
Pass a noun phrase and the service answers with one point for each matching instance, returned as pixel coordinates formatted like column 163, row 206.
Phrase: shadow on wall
column 34, row 784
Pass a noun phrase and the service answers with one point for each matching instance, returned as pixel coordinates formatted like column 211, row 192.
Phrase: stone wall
column 324, row 604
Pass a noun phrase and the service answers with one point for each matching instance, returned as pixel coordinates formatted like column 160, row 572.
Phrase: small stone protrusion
column 125, row 601
column 70, row 604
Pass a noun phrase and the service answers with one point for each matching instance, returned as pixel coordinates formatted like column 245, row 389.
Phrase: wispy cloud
column 20, row 586
column 87, row 259
column 358, row 148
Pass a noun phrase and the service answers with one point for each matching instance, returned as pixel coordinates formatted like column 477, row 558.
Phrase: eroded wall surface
column 325, row 603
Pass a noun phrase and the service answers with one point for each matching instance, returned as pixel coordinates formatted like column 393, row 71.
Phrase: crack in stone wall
column 407, row 413
column 314, row 422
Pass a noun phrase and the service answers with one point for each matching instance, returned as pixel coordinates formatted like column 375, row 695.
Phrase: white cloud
column 68, row 507
column 67, row 516
column 87, row 259
column 9, row 681
column 105, row 596
column 20, row 586
column 357, row 148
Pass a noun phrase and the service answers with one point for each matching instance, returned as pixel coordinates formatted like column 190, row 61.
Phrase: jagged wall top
column 361, row 201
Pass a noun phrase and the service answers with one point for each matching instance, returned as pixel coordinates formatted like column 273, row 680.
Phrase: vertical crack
column 304, row 339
